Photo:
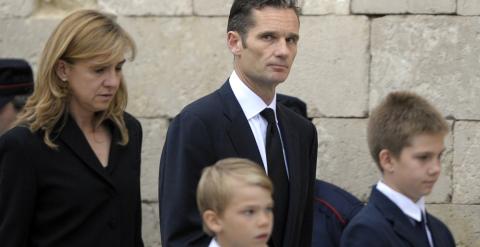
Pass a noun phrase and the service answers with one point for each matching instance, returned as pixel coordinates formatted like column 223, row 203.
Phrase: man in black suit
column 232, row 122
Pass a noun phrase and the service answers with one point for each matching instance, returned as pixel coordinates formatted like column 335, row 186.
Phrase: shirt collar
column 213, row 243
column 412, row 209
column 250, row 103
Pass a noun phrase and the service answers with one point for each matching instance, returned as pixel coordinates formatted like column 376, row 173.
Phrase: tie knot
column 269, row 115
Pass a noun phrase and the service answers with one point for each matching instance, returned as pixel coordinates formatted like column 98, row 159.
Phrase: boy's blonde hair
column 397, row 119
column 214, row 190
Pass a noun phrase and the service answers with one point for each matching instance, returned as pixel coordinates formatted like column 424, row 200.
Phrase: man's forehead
column 270, row 18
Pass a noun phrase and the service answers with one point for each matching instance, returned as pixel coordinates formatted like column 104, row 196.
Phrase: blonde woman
column 70, row 170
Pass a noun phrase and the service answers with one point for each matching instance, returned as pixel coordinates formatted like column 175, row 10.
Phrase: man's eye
column 268, row 37
column 291, row 40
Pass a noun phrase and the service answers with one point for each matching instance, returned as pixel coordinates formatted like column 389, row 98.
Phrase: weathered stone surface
column 403, row 6
column 25, row 38
column 468, row 7
column 17, row 8
column 325, row 7
column 437, row 57
column 442, row 192
column 212, row 7
column 344, row 159
column 343, row 156
column 179, row 60
column 154, row 132
column 148, row 7
column 150, row 225
column 332, row 78
column 466, row 174
column 308, row 7
column 62, row 7
column 462, row 221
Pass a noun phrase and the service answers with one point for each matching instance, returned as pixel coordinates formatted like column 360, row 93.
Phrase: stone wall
column 351, row 54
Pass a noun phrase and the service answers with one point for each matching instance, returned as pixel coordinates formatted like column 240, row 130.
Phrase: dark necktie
column 421, row 232
column 278, row 174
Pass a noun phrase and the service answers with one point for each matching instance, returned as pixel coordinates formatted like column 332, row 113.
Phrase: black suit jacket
column 382, row 224
column 212, row 128
column 334, row 208
column 65, row 197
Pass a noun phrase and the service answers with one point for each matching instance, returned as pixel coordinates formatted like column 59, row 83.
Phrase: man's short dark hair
column 240, row 18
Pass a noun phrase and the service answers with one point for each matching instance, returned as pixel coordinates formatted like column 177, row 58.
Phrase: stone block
column 466, row 175
column 25, row 38
column 330, row 72
column 468, row 7
column 343, row 156
column 212, row 7
column 436, row 56
column 150, row 225
column 148, row 7
column 179, row 60
column 48, row 8
column 154, row 133
column 442, row 192
column 326, row 7
column 403, row 6
column 17, row 8
column 462, row 220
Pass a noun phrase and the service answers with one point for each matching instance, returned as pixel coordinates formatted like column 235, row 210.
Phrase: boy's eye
column 118, row 68
column 248, row 212
column 423, row 157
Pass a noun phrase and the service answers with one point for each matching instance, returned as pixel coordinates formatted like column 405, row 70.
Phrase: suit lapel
column 237, row 127
column 73, row 138
column 435, row 231
column 400, row 222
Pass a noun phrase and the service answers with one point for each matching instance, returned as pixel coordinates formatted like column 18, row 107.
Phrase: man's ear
column 213, row 221
column 234, row 42
column 386, row 160
column 62, row 70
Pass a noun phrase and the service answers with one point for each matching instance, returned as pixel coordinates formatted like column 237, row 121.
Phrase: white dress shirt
column 414, row 210
column 252, row 105
column 213, row 243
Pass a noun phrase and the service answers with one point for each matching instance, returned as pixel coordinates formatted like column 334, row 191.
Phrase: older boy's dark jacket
column 382, row 224
column 333, row 209
column 215, row 127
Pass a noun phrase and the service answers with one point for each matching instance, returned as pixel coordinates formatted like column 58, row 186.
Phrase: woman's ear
column 62, row 70
column 213, row 221
column 234, row 42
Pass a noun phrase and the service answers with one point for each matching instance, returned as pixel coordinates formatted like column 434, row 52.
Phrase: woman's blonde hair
column 83, row 34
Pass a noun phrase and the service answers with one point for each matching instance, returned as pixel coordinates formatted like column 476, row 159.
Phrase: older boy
column 406, row 140
column 234, row 197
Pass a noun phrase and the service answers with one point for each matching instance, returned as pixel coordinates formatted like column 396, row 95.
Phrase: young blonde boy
column 406, row 140
column 234, row 197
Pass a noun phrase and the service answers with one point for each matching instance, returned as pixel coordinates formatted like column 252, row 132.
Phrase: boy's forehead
column 428, row 141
